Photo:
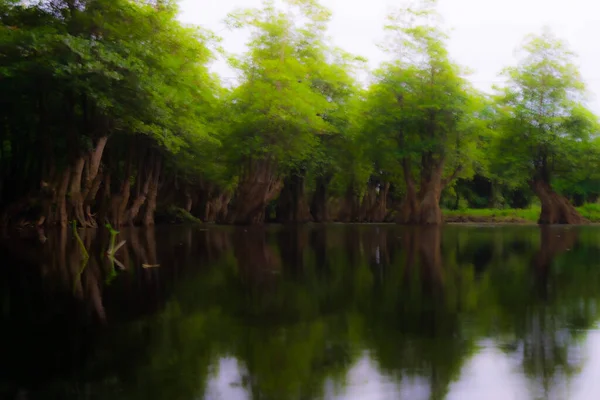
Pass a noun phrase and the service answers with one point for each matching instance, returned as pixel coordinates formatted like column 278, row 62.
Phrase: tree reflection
column 296, row 307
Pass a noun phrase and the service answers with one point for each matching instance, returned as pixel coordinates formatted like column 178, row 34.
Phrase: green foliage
column 544, row 129
column 102, row 68
column 75, row 72
column 420, row 110
column 590, row 212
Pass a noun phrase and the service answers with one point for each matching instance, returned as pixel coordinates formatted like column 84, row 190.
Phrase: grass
column 528, row 215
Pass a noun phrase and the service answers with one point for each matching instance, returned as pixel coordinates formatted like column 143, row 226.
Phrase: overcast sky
column 483, row 37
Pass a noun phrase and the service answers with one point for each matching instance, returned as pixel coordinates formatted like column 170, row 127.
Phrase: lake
column 311, row 312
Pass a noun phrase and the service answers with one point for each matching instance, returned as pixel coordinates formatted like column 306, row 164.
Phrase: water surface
column 322, row 312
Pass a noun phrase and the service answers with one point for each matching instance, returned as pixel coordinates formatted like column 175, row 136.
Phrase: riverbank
column 518, row 216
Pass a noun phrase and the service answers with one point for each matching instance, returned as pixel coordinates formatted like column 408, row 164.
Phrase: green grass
column 492, row 215
column 529, row 215
column 590, row 211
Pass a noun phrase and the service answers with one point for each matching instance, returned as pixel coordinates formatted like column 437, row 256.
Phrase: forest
column 109, row 112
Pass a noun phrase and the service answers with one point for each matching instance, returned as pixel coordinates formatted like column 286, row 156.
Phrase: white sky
column 484, row 33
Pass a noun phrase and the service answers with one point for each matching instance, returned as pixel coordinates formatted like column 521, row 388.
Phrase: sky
column 483, row 33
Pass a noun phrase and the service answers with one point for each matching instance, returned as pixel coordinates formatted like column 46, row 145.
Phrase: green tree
column 544, row 127
column 277, row 108
column 422, row 113
column 77, row 74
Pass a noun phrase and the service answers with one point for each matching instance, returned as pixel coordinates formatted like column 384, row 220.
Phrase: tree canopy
column 109, row 112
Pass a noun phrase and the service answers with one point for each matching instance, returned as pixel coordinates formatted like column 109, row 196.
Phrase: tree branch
column 448, row 180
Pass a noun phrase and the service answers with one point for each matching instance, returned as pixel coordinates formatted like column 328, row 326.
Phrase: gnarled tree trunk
column 374, row 204
column 430, row 212
column 556, row 209
column 424, row 208
column 217, row 207
column 259, row 184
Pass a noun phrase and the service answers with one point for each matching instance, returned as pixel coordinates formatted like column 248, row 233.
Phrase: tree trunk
column 319, row 207
column 95, row 157
column 141, row 198
column 217, row 207
column 379, row 211
column 424, row 208
column 374, row 204
column 259, row 184
column 104, row 201
column 89, row 200
column 93, row 180
column 189, row 200
column 120, row 202
column 152, row 195
column 349, row 210
column 75, row 195
column 292, row 205
column 368, row 202
column 62, row 216
column 430, row 212
column 409, row 209
column 556, row 209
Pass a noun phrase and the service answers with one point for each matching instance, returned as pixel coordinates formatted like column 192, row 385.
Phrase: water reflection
column 336, row 312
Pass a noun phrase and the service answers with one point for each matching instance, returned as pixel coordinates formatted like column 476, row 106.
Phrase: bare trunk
column 189, row 200
column 152, row 195
column 409, row 209
column 141, row 198
column 319, row 207
column 258, row 185
column 292, row 205
column 380, row 209
column 62, row 216
column 556, row 209
column 430, row 212
column 95, row 157
column 118, row 203
column 424, row 208
column 104, row 201
column 217, row 207
column 350, row 207
column 75, row 195
column 368, row 202
column 374, row 204
column 89, row 200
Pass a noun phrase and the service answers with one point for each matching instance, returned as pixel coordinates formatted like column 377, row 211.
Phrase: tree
column 276, row 107
column 543, row 123
column 80, row 73
column 421, row 112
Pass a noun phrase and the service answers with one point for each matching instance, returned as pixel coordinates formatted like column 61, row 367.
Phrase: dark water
column 337, row 312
